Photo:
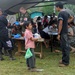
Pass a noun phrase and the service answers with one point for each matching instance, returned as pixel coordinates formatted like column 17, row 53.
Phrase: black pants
column 65, row 49
column 6, row 43
column 31, row 61
column 44, row 35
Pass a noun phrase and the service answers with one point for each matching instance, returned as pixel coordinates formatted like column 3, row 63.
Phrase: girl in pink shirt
column 29, row 43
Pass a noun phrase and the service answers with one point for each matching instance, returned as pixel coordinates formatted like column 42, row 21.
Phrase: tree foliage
column 46, row 10
column 71, row 7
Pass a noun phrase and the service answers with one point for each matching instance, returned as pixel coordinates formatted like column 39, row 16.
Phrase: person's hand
column 36, row 39
column 58, row 37
column 21, row 23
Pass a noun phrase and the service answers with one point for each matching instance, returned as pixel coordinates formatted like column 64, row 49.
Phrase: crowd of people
column 63, row 25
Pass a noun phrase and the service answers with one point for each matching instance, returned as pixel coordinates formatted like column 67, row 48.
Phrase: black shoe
column 2, row 53
column 6, row 53
column 11, row 58
column 1, row 59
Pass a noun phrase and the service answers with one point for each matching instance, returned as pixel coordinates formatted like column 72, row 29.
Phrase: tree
column 71, row 7
column 48, row 9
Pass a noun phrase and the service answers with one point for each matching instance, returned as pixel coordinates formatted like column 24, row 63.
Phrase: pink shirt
column 29, row 43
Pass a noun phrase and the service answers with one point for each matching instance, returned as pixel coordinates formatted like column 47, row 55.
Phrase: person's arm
column 60, row 22
column 4, row 20
column 22, row 23
column 60, row 19
column 30, row 37
column 59, row 29
column 71, row 33
column 33, row 39
column 70, row 19
column 60, row 26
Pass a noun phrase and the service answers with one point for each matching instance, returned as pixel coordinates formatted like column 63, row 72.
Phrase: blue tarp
column 36, row 14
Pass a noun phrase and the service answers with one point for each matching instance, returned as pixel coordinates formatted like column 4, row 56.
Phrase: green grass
column 49, row 63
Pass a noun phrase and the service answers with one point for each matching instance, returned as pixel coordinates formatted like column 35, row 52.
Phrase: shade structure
column 12, row 6
column 26, row 4
column 6, row 4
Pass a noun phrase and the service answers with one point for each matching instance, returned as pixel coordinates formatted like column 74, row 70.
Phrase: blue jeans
column 65, row 49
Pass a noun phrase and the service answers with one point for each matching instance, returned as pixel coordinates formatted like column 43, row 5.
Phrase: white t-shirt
column 47, row 29
column 70, row 30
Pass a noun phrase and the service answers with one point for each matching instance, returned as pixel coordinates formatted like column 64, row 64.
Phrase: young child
column 29, row 43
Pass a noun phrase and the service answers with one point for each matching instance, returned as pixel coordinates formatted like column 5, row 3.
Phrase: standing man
column 23, row 14
column 23, row 17
column 4, row 39
column 63, row 19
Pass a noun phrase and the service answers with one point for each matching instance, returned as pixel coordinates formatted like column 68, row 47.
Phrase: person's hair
column 59, row 4
column 22, row 8
column 5, row 14
column 45, row 17
column 39, row 18
column 52, row 22
column 26, row 23
column 72, row 23
column 54, row 14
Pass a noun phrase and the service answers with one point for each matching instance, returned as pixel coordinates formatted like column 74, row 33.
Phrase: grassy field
column 49, row 63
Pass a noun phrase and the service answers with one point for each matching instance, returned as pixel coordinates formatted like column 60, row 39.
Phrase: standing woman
column 39, row 23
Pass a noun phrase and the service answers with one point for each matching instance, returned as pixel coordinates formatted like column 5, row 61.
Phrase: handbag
column 28, row 54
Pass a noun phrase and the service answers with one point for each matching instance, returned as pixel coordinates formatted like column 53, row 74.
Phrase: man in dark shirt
column 4, row 39
column 63, row 19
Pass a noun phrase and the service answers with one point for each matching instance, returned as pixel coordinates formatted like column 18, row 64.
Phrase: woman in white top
column 70, row 34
